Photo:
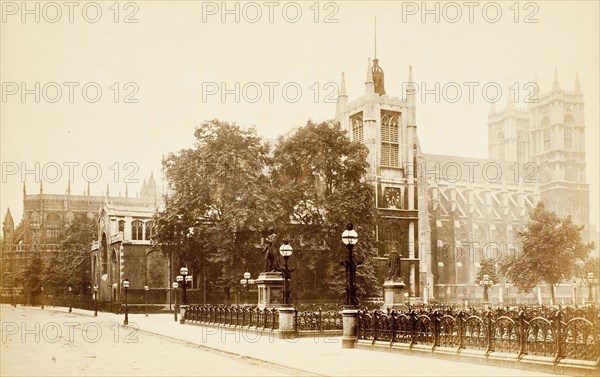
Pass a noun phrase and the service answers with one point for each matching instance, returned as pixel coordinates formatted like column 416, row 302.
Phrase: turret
column 555, row 83
column 369, row 84
column 577, row 85
column 8, row 226
column 342, row 99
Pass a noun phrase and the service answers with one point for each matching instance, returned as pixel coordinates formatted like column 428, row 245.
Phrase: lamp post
column 126, row 286
column 95, row 300
column 42, row 290
column 590, row 282
column 507, row 292
column 246, row 282
column 70, row 299
column 175, row 285
column 486, row 283
column 286, row 250
column 146, row 289
column 350, row 238
column 184, row 279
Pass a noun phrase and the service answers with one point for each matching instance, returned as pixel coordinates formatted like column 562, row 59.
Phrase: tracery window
column 389, row 138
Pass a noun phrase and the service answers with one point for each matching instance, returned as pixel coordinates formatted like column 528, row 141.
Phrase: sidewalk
column 321, row 356
column 314, row 356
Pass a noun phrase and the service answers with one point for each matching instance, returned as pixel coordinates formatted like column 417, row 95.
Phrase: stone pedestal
column 393, row 295
column 350, row 323
column 182, row 310
column 286, row 322
column 270, row 289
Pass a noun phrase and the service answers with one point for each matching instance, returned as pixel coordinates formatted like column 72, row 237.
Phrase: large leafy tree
column 319, row 179
column 71, row 266
column 551, row 247
column 219, row 202
column 487, row 266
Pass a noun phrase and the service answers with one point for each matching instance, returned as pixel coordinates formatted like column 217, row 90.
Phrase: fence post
column 320, row 326
column 374, row 325
column 413, row 327
column 436, row 328
column 559, row 335
column 461, row 339
column 490, row 346
column 522, row 337
column 393, row 315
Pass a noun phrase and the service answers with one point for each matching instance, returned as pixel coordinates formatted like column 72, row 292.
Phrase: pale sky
column 172, row 57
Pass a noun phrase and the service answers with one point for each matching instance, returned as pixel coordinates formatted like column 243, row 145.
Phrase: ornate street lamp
column 175, row 285
column 126, row 286
column 184, row 279
column 590, row 282
column 146, row 289
column 95, row 300
column 286, row 250
column 246, row 282
column 70, row 299
column 486, row 283
column 350, row 238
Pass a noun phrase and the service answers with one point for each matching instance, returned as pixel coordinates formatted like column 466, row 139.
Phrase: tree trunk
column 552, row 294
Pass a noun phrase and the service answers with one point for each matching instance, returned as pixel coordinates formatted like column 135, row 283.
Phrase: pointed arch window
column 501, row 149
column 569, row 122
column 137, row 230
column 546, row 133
column 522, row 146
column 358, row 133
column 149, row 230
column 390, row 145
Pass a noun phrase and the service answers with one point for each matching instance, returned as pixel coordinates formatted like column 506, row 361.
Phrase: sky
column 99, row 93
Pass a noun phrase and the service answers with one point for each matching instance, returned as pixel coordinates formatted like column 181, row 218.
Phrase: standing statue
column 273, row 262
column 394, row 264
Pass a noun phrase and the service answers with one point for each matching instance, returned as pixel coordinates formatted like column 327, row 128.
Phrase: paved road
column 54, row 343
column 79, row 344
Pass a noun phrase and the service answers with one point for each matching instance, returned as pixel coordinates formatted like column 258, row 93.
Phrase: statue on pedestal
column 394, row 265
column 273, row 260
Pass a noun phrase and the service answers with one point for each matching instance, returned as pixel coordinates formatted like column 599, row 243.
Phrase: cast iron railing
column 318, row 321
column 557, row 333
column 236, row 316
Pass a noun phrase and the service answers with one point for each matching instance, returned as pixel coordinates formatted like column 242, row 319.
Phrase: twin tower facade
column 442, row 223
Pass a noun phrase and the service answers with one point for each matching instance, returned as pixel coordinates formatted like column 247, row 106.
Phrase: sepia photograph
column 300, row 188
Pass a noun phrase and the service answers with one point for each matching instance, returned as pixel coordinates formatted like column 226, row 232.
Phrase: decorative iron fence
column 235, row 316
column 557, row 333
column 318, row 321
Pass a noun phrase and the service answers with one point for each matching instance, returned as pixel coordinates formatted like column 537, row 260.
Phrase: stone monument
column 270, row 282
column 393, row 287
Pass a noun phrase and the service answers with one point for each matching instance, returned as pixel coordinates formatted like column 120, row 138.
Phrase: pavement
column 216, row 351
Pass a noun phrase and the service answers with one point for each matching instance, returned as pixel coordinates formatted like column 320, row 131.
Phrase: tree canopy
column 228, row 190
column 551, row 247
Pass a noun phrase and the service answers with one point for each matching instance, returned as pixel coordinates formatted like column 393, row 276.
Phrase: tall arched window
column 546, row 133
column 389, row 138
column 522, row 146
column 137, row 230
column 569, row 121
column 149, row 230
column 356, row 122
column 501, row 149
column 52, row 226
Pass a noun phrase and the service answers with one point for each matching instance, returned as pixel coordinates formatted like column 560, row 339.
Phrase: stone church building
column 45, row 218
column 445, row 213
